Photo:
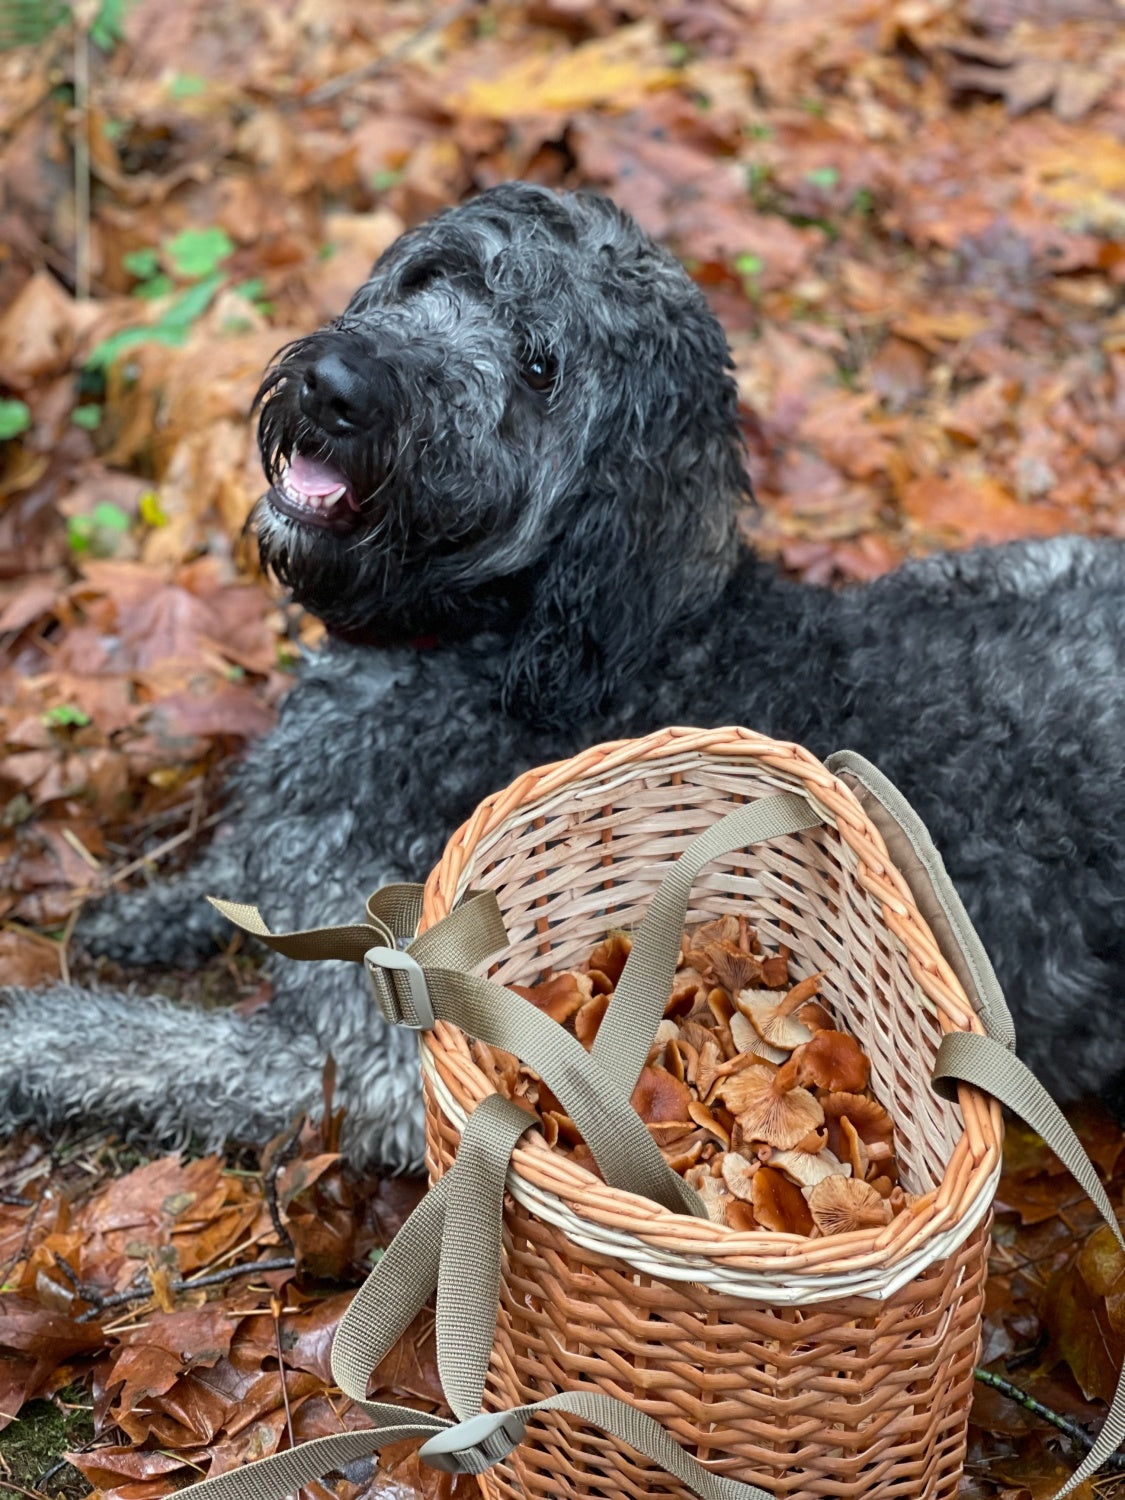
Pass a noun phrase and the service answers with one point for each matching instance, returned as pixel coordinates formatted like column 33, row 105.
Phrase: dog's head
column 523, row 420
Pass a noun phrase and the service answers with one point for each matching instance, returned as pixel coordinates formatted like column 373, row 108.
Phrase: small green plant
column 386, row 178
column 66, row 716
column 99, row 534
column 186, row 86
column 89, row 417
column 194, row 253
column 823, row 177
column 15, row 417
column 750, row 267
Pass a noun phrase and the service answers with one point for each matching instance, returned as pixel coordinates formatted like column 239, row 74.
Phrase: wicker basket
column 814, row 1367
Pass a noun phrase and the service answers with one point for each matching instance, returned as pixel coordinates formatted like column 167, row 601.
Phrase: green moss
column 32, row 1445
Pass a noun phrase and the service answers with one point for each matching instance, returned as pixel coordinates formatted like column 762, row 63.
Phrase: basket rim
column 973, row 1166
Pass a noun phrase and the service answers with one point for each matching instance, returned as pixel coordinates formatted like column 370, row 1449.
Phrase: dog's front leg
column 163, row 1074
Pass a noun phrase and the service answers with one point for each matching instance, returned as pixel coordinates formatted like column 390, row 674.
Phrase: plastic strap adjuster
column 391, row 973
column 474, row 1446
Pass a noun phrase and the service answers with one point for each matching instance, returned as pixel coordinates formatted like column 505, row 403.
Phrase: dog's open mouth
column 316, row 494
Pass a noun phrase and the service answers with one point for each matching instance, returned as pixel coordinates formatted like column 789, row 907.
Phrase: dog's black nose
column 334, row 395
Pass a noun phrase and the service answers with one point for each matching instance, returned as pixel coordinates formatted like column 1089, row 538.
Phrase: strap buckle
column 400, row 988
column 474, row 1446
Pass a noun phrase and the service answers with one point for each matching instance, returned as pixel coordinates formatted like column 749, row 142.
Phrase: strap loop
column 474, row 1446
column 405, row 1003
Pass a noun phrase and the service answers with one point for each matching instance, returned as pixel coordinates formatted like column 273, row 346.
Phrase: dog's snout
column 335, row 396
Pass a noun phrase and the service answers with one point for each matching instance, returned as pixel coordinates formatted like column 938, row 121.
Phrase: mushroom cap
column 589, row 1018
column 872, row 1123
column 779, row 1204
column 560, row 997
column 660, row 1098
column 830, row 1060
column 780, row 1119
column 807, row 1168
column 711, row 1190
column 771, row 1020
column 747, row 1039
column 738, row 1174
column 609, row 957
column 839, row 1204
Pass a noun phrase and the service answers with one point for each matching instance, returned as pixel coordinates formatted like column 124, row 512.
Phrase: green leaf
column 198, row 252
column 110, row 517
column 109, row 24
column 155, row 288
column 385, row 178
column 186, row 86
column 749, row 264
column 823, row 177
column 141, row 263
column 172, row 328
column 66, row 716
column 89, row 417
column 15, row 417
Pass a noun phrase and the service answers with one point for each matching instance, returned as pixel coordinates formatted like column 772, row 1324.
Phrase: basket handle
column 986, row 1062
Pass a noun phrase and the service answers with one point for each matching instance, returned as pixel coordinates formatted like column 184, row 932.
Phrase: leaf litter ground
column 909, row 216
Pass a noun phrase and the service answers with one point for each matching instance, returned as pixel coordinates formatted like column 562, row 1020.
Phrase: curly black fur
column 530, row 409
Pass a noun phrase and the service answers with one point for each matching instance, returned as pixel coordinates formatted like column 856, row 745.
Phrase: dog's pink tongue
column 312, row 478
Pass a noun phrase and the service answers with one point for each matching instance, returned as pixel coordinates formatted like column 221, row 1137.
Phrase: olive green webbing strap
column 625, row 1034
column 986, row 1062
column 624, row 1149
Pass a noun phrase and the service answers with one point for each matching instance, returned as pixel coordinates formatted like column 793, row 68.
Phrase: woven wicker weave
column 817, row 1367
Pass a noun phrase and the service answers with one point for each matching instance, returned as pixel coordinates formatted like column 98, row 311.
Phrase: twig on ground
column 1077, row 1433
column 345, row 81
column 83, row 19
column 100, row 1304
column 64, row 944
column 166, row 847
column 269, row 1181
column 275, row 1312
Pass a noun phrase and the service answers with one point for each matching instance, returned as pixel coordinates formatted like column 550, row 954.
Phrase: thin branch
column 162, row 849
column 269, row 1181
column 139, row 1293
column 1073, row 1430
column 345, row 81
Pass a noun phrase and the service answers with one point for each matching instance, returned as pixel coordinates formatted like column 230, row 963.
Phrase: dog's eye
column 419, row 276
column 538, row 371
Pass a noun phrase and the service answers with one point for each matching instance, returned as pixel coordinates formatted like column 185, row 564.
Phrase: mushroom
column 746, row 1039
column 738, row 1174
column 872, row 1123
column 779, row 1117
column 734, row 969
column 711, row 1190
column 559, row 997
column 806, row 1168
column 710, row 1063
column 660, row 1099
column 839, row 1204
column 589, row 1018
column 778, row 1204
column 815, row 1016
column 684, row 1153
column 854, row 1148
column 707, row 1121
column 740, row 1216
column 773, row 1019
column 608, row 958
column 831, row 1060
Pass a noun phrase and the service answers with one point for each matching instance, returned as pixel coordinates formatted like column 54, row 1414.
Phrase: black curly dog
column 520, row 442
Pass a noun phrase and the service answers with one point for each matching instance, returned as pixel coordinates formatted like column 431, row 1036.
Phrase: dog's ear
column 649, row 541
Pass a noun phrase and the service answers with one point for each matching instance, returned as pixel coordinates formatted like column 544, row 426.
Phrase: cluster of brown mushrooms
column 750, row 1090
